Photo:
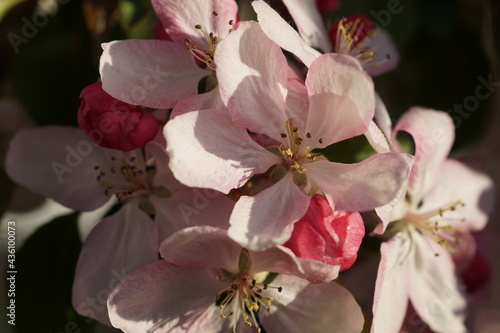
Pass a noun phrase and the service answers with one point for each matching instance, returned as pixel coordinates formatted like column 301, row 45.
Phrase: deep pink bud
column 112, row 123
column 327, row 5
column 324, row 235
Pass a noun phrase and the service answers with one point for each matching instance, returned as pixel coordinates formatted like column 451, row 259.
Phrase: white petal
column 252, row 73
column 152, row 73
column 379, row 132
column 387, row 53
column 58, row 162
column 433, row 133
column 458, row 182
column 179, row 19
column 391, row 290
column 207, row 150
column 342, row 100
column 283, row 34
column 434, row 290
column 361, row 186
column 303, row 307
column 161, row 297
column 116, row 246
column 310, row 23
column 266, row 219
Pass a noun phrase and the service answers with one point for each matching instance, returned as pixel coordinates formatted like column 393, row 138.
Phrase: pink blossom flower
column 159, row 73
column 444, row 200
column 213, row 149
column 375, row 50
column 112, row 123
column 63, row 164
column 209, row 283
column 332, row 237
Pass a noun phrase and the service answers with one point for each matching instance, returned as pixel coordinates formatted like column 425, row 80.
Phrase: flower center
column 429, row 224
column 292, row 154
column 244, row 297
column 351, row 36
column 124, row 178
column 206, row 55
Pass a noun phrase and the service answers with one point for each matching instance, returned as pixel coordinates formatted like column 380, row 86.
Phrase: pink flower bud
column 112, row 123
column 324, row 235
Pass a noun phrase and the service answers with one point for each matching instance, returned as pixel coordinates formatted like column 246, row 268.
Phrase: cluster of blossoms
column 231, row 215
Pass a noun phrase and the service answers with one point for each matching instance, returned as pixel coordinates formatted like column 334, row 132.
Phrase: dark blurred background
column 50, row 49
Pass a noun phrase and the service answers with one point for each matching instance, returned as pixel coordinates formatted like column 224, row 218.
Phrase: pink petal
column 310, row 23
column 152, row 73
column 391, row 290
column 342, row 100
column 208, row 151
column 303, row 307
column 328, row 120
column 190, row 207
column 297, row 100
column 266, row 219
column 209, row 247
column 161, row 297
column 316, row 271
column 283, row 34
column 249, row 64
column 86, row 221
column 116, row 246
column 58, row 162
column 163, row 177
column 434, row 292
column 387, row 53
column 180, row 17
column 456, row 181
column 360, row 186
column 282, row 260
column 202, row 247
column 397, row 208
column 207, row 101
column 433, row 133
column 394, row 210
column 379, row 132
